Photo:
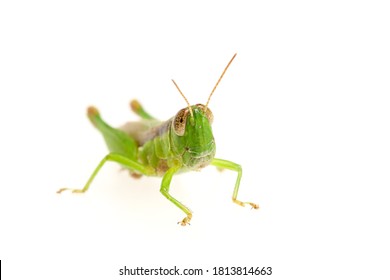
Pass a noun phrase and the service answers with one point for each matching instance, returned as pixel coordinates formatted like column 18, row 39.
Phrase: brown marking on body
column 135, row 175
column 162, row 167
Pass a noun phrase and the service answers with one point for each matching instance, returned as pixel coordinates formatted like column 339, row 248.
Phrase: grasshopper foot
column 73, row 190
column 254, row 205
column 186, row 220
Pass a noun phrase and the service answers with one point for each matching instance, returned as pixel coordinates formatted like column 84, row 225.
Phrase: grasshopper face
column 193, row 136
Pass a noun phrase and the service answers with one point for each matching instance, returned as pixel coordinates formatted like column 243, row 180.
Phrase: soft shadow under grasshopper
column 154, row 148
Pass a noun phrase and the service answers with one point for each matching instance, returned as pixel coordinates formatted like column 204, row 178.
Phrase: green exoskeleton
column 154, row 148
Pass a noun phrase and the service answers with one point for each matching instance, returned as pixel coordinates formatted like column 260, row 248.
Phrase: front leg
column 165, row 184
column 221, row 163
column 124, row 161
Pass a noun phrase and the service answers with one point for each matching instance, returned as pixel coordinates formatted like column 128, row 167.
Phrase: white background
column 304, row 108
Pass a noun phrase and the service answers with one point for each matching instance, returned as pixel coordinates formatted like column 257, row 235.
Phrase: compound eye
column 179, row 122
column 208, row 113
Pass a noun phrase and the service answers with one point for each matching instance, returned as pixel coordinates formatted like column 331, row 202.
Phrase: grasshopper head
column 193, row 137
column 200, row 112
column 191, row 134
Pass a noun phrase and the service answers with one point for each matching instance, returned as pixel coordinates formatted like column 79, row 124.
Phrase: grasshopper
column 154, row 148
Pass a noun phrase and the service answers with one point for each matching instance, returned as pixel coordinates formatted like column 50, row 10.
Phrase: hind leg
column 139, row 110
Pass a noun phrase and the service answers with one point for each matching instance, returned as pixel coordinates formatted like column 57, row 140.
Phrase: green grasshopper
column 154, row 148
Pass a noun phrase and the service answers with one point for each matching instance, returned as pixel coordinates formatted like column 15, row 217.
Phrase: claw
column 254, row 205
column 61, row 190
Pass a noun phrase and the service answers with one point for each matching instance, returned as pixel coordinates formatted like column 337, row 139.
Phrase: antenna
column 188, row 103
column 220, row 78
